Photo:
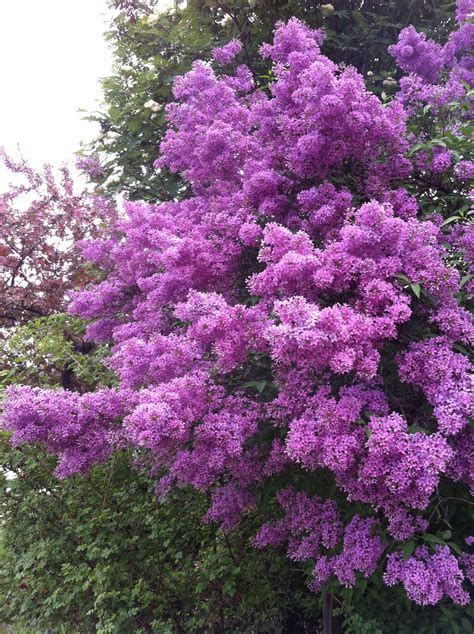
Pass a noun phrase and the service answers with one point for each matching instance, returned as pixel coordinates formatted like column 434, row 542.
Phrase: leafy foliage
column 52, row 351
column 99, row 554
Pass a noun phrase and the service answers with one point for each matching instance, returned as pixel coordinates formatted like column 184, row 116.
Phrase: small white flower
column 113, row 179
column 110, row 137
column 226, row 19
column 370, row 73
column 154, row 17
column 153, row 105
column 390, row 81
column 126, row 68
column 327, row 9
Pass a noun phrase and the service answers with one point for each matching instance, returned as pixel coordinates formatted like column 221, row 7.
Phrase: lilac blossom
column 428, row 577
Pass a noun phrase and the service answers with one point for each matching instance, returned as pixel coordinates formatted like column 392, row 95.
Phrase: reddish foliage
column 42, row 221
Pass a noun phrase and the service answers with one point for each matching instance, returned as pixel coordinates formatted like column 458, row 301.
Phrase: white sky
column 52, row 55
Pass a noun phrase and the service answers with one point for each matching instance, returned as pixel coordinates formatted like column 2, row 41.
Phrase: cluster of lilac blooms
column 428, row 576
column 266, row 327
column 90, row 165
column 436, row 73
column 438, row 77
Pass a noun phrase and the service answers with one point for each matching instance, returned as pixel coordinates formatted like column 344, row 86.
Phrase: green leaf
column 403, row 278
column 361, row 587
column 416, row 148
column 460, row 348
column 258, row 385
column 414, row 429
column 449, row 220
column 445, row 534
column 438, row 142
column 455, row 547
column 408, row 549
column 432, row 539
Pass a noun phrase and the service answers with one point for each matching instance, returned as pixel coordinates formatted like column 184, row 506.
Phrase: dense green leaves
column 100, row 553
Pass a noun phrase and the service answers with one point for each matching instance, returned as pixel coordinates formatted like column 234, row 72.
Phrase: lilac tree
column 288, row 337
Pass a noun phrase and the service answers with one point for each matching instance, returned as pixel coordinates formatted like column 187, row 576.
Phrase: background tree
column 42, row 221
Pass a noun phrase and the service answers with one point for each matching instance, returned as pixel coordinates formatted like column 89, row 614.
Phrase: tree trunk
column 331, row 624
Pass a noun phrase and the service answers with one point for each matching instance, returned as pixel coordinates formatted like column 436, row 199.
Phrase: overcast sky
column 52, row 55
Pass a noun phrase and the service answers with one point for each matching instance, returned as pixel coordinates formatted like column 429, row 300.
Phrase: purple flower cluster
column 446, row 379
column 428, row 577
column 416, row 54
column 311, row 525
column 227, row 53
column 439, row 78
column 427, row 61
column 90, row 165
column 308, row 525
column 464, row 10
column 361, row 551
column 77, row 428
column 251, row 323
column 464, row 170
